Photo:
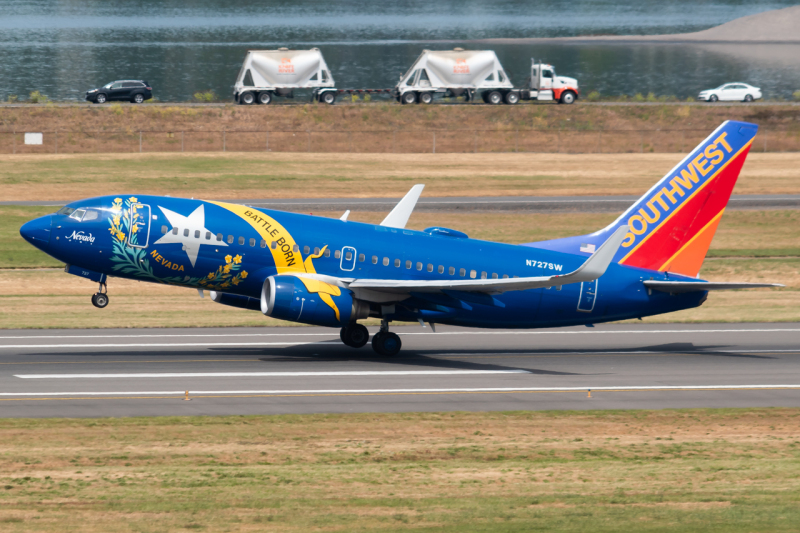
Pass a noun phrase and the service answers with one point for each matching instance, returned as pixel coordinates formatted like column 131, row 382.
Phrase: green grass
column 687, row 470
column 15, row 252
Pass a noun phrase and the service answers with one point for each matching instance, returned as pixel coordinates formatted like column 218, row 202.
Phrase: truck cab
column 544, row 85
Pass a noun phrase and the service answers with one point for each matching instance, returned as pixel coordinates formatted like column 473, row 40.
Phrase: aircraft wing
column 593, row 268
column 678, row 287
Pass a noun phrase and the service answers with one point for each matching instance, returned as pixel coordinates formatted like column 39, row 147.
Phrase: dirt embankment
column 389, row 117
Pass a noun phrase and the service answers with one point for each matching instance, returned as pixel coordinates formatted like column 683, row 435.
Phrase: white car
column 731, row 92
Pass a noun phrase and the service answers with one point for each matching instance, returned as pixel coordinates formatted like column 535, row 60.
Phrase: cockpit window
column 78, row 214
column 91, row 214
column 65, row 211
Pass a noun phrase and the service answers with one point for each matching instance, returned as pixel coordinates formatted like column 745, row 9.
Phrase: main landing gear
column 100, row 298
column 384, row 342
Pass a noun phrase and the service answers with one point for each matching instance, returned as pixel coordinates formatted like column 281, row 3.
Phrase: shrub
column 367, row 97
column 796, row 95
column 37, row 97
column 205, row 96
column 593, row 96
column 622, row 98
column 354, row 98
column 638, row 97
column 12, row 98
column 651, row 97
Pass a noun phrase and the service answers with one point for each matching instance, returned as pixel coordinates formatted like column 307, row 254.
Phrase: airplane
column 335, row 272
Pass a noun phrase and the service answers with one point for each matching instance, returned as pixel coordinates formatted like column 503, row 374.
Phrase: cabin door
column 139, row 225
column 348, row 262
column 588, row 296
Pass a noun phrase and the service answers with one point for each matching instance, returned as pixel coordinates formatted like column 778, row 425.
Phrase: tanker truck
column 266, row 74
column 477, row 74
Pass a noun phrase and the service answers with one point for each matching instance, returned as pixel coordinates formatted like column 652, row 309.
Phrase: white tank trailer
column 269, row 73
column 478, row 74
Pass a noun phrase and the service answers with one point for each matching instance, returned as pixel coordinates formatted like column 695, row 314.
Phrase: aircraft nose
column 37, row 231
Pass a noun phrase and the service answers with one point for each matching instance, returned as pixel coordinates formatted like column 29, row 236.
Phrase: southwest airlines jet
column 334, row 272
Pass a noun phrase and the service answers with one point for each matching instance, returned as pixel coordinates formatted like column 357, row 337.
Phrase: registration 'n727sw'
column 335, row 272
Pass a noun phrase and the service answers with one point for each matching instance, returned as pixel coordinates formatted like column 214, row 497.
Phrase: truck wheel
column 328, row 97
column 409, row 97
column 512, row 98
column 494, row 98
column 568, row 97
column 246, row 98
column 425, row 98
column 264, row 98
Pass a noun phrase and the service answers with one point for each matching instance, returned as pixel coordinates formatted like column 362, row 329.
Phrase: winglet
column 398, row 218
column 344, row 217
column 596, row 265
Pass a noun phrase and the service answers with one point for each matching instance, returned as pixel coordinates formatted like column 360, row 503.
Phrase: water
column 62, row 48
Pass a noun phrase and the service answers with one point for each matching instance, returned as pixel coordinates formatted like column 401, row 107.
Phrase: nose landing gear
column 100, row 298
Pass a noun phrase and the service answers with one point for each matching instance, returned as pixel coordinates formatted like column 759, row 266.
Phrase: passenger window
column 208, row 235
column 462, row 272
column 263, row 243
column 175, row 231
column 91, row 214
column 483, row 275
column 295, row 248
column 505, row 276
column 397, row 263
column 197, row 234
column 186, row 232
column 78, row 214
column 348, row 255
column 361, row 258
column 327, row 252
column 451, row 271
column 252, row 242
column 337, row 254
column 441, row 269
column 472, row 274
column 241, row 240
column 219, row 237
column 419, row 266
column 385, row 261
column 306, row 250
column 408, row 264
column 273, row 244
column 494, row 276
column 430, row 267
column 164, row 230
column 230, row 240
column 374, row 259
column 316, row 251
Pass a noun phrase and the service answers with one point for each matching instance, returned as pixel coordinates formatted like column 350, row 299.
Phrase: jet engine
column 310, row 301
column 235, row 300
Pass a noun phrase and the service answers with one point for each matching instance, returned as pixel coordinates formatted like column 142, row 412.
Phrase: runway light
column 589, row 396
column 186, row 398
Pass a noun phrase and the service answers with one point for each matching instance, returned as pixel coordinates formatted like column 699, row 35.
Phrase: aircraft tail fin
column 672, row 225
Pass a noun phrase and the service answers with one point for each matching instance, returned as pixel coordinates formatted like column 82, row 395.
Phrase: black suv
column 136, row 91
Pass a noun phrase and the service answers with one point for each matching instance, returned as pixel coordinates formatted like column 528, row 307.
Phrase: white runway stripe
column 270, row 374
column 166, row 344
column 408, row 391
column 334, row 333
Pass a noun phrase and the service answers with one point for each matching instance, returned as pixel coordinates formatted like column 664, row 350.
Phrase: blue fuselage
column 203, row 245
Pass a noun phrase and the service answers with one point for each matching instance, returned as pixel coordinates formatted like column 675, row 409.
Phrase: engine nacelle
column 235, row 300
column 310, row 301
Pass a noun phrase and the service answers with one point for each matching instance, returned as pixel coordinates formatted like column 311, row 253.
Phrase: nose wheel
column 385, row 342
column 100, row 298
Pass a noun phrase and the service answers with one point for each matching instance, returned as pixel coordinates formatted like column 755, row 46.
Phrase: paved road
column 86, row 373
column 553, row 204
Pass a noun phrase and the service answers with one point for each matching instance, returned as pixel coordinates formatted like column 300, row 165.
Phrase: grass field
column 53, row 299
column 604, row 471
column 298, row 175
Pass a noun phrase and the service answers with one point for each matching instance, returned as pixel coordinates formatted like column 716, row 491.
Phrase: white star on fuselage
column 194, row 222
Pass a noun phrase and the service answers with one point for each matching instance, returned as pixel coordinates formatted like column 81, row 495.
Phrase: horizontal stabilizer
column 678, row 287
column 593, row 268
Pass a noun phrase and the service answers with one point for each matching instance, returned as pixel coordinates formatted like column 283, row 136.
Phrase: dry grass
column 299, row 175
column 693, row 470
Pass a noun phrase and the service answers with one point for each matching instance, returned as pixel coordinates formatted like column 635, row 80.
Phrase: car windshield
column 108, row 85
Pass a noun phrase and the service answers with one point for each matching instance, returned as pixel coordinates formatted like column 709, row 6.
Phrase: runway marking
column 129, row 362
column 533, row 355
column 357, row 392
column 272, row 374
column 504, row 332
column 166, row 345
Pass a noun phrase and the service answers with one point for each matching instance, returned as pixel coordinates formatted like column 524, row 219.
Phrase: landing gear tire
column 512, row 98
column 328, row 97
column 264, row 98
column 494, row 98
column 425, row 98
column 568, row 97
column 246, row 98
column 386, row 343
column 354, row 335
column 99, row 300
column 408, row 98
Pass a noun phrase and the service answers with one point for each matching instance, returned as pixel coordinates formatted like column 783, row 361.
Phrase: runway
column 542, row 204
column 243, row 371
